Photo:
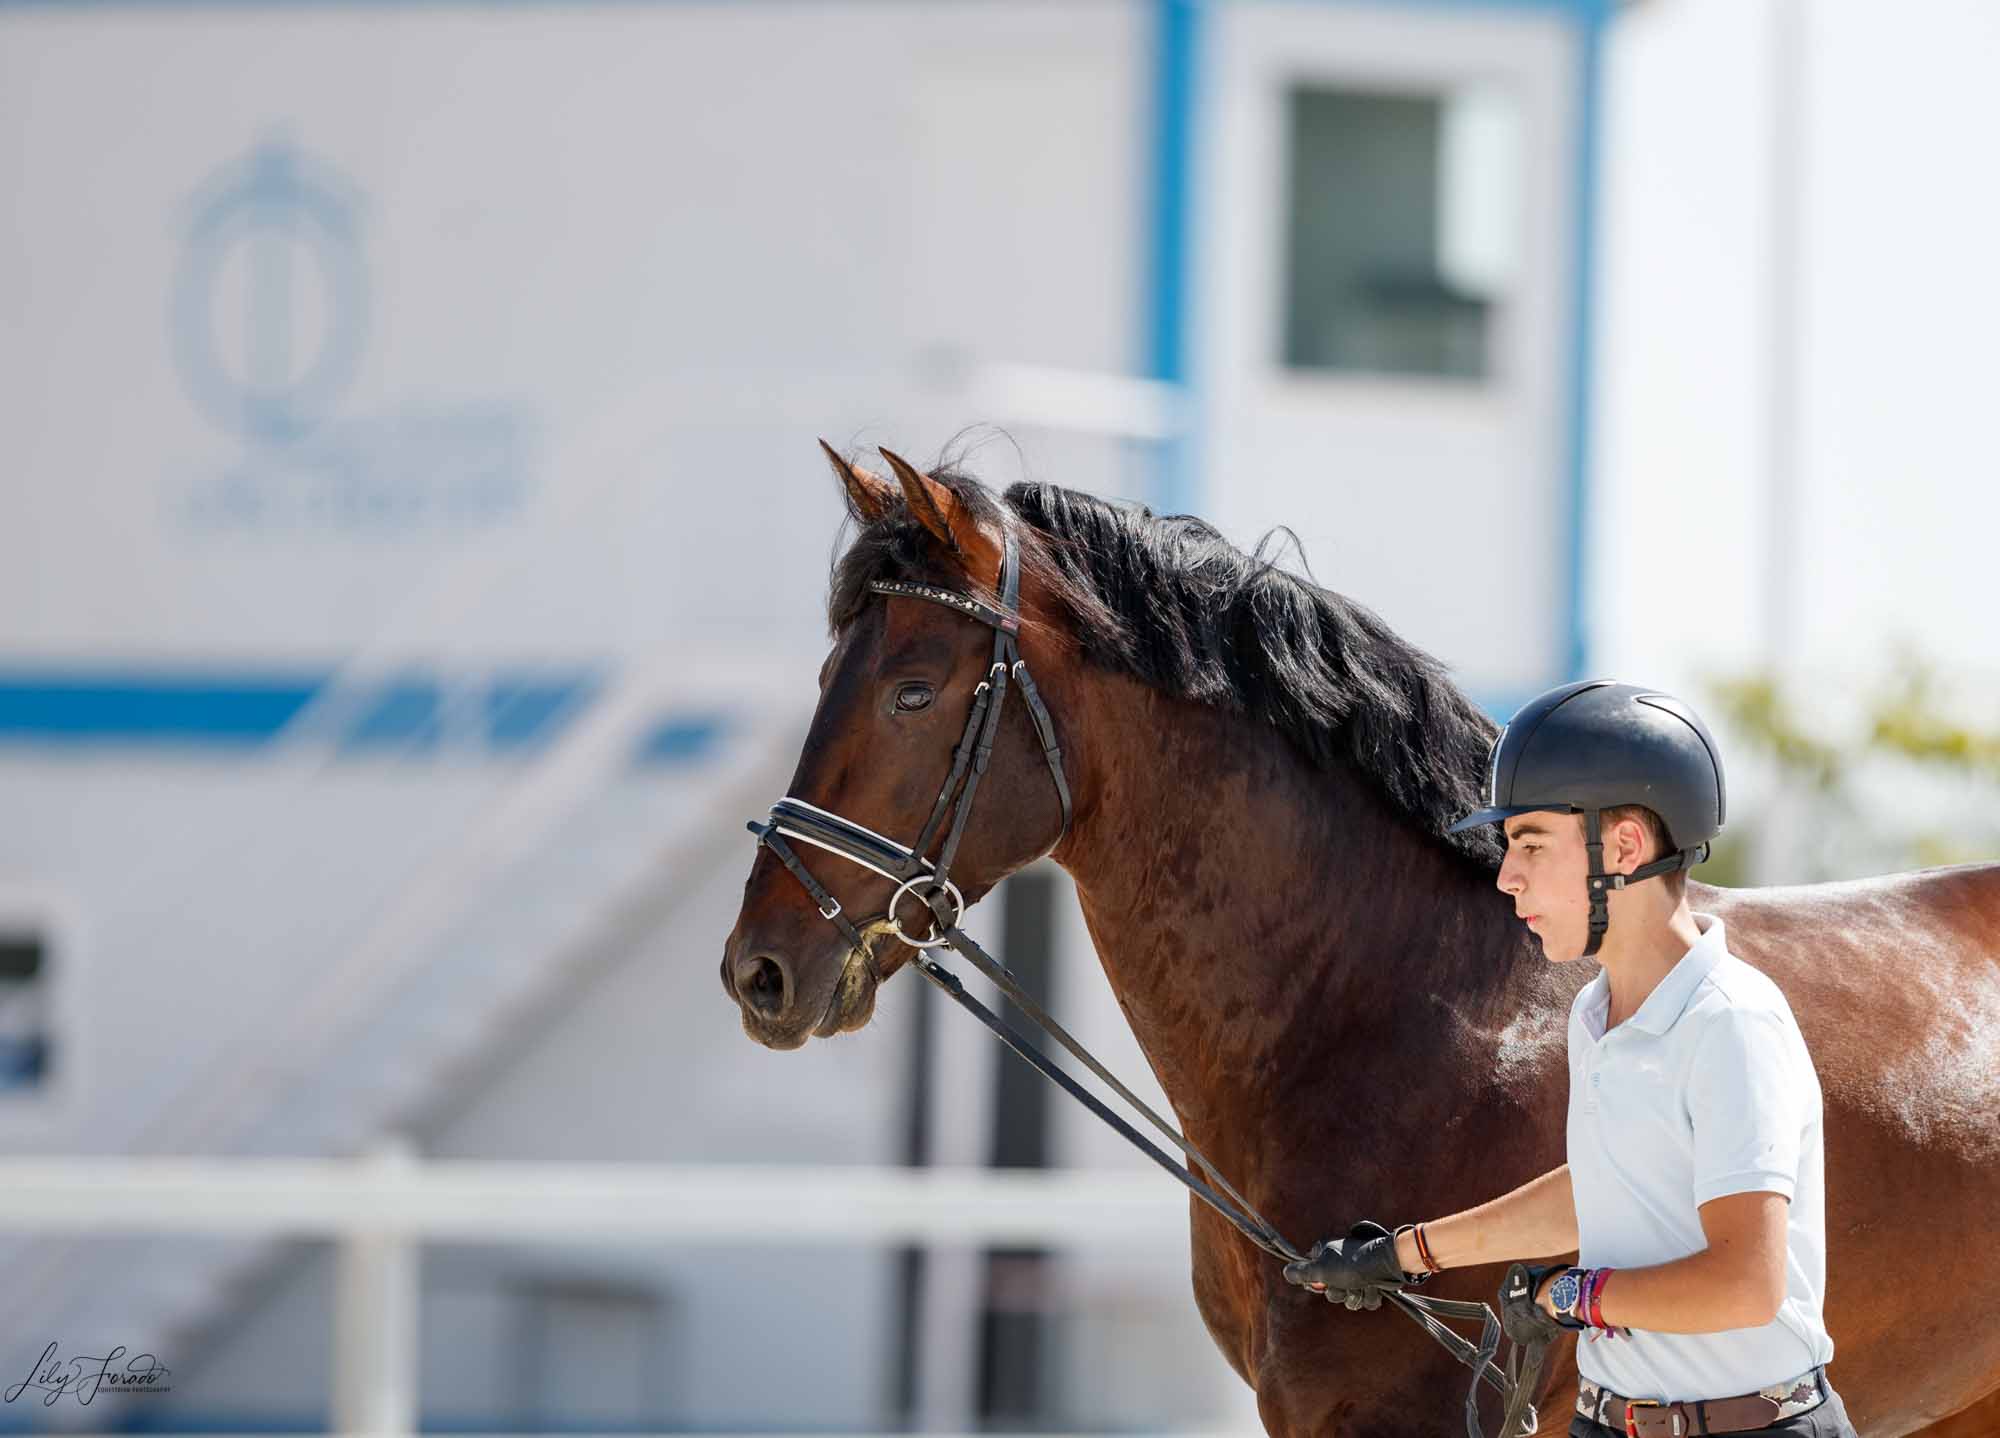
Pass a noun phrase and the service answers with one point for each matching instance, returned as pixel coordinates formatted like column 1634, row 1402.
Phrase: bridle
column 913, row 873
column 907, row 867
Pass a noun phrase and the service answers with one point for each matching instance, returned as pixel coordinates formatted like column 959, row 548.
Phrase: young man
column 1693, row 1192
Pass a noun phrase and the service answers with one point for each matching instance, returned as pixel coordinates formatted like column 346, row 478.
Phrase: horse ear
column 935, row 507
column 868, row 495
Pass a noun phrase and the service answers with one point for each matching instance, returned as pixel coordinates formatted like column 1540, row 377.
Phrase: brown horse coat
column 1342, row 1008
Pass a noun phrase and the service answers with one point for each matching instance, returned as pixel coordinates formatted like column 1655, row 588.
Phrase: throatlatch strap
column 1045, row 730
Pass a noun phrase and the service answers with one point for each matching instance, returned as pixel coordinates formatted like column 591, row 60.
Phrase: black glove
column 1525, row 1320
column 1355, row 1270
column 1532, row 1330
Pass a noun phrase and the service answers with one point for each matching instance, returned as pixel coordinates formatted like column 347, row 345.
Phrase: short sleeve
column 1747, row 1104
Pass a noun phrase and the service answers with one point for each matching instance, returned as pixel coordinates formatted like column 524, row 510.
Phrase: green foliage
column 1756, row 710
column 1907, row 722
column 1909, row 737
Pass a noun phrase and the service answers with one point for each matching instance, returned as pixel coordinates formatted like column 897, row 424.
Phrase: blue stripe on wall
column 1176, row 73
column 1592, row 16
column 1173, row 99
column 405, row 716
column 513, row 712
column 526, row 713
column 680, row 739
column 207, row 709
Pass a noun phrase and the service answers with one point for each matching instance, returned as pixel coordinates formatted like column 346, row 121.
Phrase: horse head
column 913, row 720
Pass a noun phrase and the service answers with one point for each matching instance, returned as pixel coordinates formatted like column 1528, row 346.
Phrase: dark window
column 24, row 1010
column 1403, row 211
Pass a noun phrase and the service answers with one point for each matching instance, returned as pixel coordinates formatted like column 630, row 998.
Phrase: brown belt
column 1647, row 1418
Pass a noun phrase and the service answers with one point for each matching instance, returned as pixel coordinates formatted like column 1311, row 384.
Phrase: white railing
column 380, row 1208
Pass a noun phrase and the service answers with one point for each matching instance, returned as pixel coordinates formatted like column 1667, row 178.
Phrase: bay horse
column 1341, row 1007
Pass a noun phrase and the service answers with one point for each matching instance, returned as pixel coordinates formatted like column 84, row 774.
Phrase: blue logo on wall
column 271, row 300
column 269, row 322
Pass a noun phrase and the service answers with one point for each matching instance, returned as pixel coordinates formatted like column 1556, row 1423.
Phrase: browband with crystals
column 963, row 603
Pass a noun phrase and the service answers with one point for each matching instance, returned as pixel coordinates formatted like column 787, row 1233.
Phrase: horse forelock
column 1168, row 600
column 895, row 545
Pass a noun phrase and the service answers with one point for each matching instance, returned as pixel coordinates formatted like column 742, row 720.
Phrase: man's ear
column 941, row 512
column 1626, row 842
column 868, row 495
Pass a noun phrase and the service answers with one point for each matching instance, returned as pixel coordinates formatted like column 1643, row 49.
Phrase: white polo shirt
column 1707, row 1090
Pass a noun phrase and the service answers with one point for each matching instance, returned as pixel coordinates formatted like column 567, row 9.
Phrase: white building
column 418, row 549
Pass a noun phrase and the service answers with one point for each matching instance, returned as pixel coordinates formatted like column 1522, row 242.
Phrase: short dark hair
column 1656, row 830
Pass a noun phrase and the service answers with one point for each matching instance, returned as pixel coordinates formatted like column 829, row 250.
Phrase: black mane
column 1168, row 600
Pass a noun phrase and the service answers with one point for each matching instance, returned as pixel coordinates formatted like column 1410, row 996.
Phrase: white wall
column 622, row 262
column 669, row 246
column 1899, row 301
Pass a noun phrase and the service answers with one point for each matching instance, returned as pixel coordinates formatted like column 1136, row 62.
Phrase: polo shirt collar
column 1669, row 998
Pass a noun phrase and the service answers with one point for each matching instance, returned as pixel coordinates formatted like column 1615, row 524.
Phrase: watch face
column 1563, row 1293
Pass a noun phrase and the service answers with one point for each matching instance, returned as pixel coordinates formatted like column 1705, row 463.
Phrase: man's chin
column 1555, row 954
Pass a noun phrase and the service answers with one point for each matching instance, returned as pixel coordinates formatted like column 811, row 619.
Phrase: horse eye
column 912, row 697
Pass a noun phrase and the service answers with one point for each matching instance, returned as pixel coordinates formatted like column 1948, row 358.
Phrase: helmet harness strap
column 1601, row 883
column 1600, row 905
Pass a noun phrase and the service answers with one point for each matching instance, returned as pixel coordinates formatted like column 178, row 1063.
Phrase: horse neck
column 1263, row 923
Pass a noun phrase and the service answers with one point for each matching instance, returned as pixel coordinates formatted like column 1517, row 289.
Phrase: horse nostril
column 760, row 983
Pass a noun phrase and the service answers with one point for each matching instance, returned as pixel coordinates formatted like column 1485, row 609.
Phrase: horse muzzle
column 784, row 1002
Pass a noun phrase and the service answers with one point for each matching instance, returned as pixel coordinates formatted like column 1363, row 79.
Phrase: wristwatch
column 1564, row 1295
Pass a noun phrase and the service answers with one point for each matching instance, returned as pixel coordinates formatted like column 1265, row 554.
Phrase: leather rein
column 795, row 819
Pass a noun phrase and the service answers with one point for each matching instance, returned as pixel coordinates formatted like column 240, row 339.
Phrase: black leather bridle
column 908, row 867
column 795, row 819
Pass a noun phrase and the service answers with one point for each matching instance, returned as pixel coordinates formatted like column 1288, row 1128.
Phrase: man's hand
column 1524, row 1308
column 1356, row 1270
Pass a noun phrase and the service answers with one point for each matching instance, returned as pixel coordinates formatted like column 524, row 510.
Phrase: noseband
column 908, row 867
column 912, row 872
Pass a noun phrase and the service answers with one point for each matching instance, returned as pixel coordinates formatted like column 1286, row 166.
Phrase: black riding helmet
column 1594, row 745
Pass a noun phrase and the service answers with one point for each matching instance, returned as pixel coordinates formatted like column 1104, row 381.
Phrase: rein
column 794, row 819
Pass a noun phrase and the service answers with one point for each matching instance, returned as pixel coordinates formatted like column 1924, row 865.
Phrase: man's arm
column 1738, row 1281
column 1536, row 1220
column 1749, row 1097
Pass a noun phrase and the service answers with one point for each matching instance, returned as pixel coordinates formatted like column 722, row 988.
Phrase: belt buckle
column 1632, row 1423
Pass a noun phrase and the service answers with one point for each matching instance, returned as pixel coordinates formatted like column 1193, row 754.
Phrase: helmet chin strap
column 1601, row 883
